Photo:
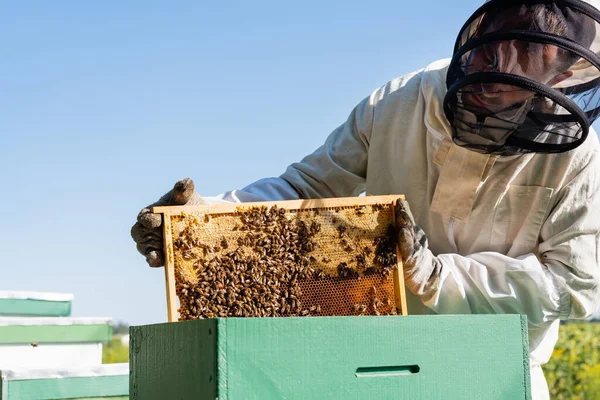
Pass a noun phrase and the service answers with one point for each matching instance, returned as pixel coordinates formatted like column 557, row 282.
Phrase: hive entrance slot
column 377, row 372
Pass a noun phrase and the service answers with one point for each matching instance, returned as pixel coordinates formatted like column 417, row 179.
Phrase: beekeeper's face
column 533, row 60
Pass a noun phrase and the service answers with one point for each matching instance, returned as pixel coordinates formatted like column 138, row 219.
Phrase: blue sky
column 104, row 105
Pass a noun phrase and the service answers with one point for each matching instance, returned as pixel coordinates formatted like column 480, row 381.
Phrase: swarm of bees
column 260, row 272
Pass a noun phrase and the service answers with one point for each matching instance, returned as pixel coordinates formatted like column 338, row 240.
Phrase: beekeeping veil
column 525, row 76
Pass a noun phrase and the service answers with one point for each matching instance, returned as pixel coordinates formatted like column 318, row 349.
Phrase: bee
column 318, row 274
column 315, row 227
column 360, row 261
column 359, row 308
column 360, row 210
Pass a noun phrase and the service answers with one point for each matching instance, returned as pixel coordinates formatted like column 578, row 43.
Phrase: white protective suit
column 514, row 234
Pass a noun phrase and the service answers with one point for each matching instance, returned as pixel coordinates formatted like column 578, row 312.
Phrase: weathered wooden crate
column 466, row 357
column 326, row 257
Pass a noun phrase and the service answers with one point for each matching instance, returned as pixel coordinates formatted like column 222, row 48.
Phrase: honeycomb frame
column 333, row 214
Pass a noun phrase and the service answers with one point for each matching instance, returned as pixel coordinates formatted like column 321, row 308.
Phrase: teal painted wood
column 38, row 308
column 173, row 361
column 55, row 333
column 107, row 398
column 410, row 357
column 66, row 388
column 222, row 373
column 526, row 366
column 457, row 357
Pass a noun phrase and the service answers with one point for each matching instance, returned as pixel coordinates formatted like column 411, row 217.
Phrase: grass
column 573, row 372
column 115, row 352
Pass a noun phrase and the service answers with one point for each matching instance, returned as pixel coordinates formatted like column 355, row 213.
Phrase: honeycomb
column 273, row 261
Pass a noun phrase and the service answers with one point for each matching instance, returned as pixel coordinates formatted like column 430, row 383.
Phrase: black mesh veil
column 525, row 76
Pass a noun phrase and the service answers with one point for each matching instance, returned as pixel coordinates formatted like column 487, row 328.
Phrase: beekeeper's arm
column 562, row 281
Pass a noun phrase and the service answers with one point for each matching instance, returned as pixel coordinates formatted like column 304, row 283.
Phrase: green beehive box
column 109, row 381
column 39, row 342
column 35, row 304
column 409, row 357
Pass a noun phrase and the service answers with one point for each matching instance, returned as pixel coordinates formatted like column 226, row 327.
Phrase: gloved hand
column 421, row 268
column 147, row 232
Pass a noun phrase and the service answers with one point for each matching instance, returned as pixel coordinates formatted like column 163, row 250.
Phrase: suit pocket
column 518, row 219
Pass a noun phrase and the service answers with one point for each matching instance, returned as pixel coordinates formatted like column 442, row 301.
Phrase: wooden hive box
column 108, row 381
column 467, row 357
column 35, row 304
column 326, row 257
column 39, row 342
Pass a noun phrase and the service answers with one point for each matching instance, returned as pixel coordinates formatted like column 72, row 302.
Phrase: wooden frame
column 229, row 208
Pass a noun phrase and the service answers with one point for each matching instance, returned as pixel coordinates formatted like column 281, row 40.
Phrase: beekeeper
column 495, row 152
